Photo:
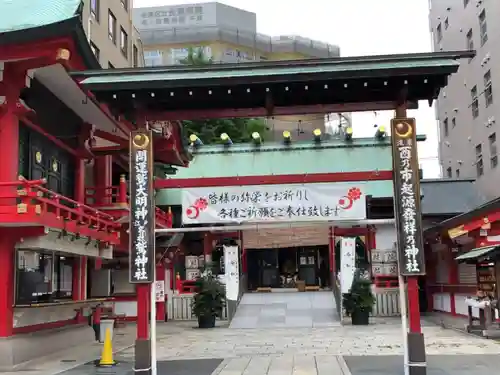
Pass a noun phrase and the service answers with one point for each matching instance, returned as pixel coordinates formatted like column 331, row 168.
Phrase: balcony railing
column 117, row 197
column 28, row 203
column 258, row 43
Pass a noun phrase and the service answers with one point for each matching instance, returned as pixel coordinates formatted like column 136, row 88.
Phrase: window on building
column 448, row 172
column 123, row 42
column 112, row 27
column 457, row 173
column 479, row 160
column 469, row 38
column 445, row 127
column 446, row 23
column 488, row 90
column 135, row 56
column 96, row 51
column 439, row 33
column 453, row 122
column 43, row 277
column 483, row 29
column 95, row 9
column 492, row 141
column 466, row 2
column 124, row 4
column 475, row 102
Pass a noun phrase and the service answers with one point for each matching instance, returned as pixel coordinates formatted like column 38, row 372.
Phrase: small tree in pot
column 358, row 303
column 209, row 300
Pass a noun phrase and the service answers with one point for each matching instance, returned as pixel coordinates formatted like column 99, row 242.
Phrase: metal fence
column 387, row 302
column 179, row 308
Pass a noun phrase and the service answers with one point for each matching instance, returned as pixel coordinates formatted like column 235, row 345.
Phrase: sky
column 359, row 27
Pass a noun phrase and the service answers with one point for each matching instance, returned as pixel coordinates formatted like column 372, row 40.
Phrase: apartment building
column 225, row 34
column 467, row 109
column 112, row 35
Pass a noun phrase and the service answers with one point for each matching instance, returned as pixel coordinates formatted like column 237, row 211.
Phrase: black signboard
column 142, row 210
column 407, row 210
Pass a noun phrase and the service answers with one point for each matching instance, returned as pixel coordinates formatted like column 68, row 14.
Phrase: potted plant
column 358, row 303
column 209, row 300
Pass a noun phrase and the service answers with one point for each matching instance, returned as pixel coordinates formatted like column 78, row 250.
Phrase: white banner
column 272, row 203
column 232, row 272
column 347, row 263
column 160, row 290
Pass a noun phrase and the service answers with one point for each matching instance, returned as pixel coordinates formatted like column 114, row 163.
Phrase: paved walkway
column 286, row 310
column 183, row 349
column 436, row 365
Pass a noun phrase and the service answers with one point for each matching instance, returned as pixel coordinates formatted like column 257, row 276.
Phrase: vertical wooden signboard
column 407, row 197
column 142, row 212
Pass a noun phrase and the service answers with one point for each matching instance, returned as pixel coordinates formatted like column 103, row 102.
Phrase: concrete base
column 29, row 346
column 231, row 309
column 142, row 360
column 416, row 354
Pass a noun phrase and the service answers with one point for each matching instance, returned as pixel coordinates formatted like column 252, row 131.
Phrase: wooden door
column 46, row 160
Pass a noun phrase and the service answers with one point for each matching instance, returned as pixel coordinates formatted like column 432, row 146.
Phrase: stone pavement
column 286, row 310
column 58, row 362
column 383, row 337
column 436, row 365
column 279, row 351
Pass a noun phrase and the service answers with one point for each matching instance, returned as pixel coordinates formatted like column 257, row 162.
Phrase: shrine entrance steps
column 286, row 310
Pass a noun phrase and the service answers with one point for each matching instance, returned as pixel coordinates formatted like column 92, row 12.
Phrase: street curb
column 343, row 365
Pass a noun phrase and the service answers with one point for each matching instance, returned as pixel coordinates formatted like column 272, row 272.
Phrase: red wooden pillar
column 452, row 278
column 331, row 249
column 207, row 247
column 103, row 179
column 143, row 298
column 413, row 305
column 7, row 265
column 83, row 278
column 80, row 180
column 160, row 306
column 244, row 261
column 9, row 144
column 122, row 190
column 430, row 277
column 79, row 195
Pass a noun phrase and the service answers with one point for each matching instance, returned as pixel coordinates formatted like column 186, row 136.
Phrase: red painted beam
column 111, row 137
column 263, row 112
column 109, row 149
column 284, row 179
column 125, row 127
column 42, row 48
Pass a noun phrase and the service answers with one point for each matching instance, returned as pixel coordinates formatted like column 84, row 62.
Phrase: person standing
column 95, row 322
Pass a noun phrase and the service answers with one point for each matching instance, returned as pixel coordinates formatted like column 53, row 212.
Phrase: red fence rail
column 100, row 196
column 30, row 197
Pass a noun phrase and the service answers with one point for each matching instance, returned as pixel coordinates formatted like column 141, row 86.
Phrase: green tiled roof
column 262, row 70
column 333, row 156
column 18, row 15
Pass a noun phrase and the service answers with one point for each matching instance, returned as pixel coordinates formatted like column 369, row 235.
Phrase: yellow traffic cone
column 107, row 351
